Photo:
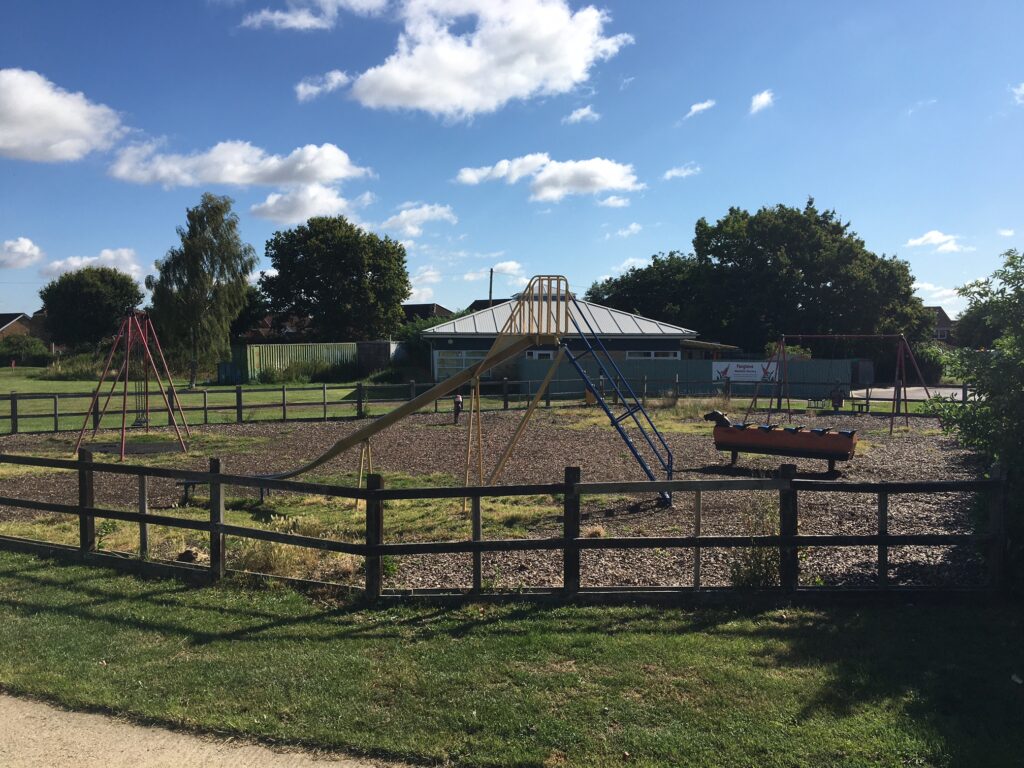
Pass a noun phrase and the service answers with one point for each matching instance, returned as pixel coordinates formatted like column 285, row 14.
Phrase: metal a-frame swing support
column 545, row 314
column 899, row 393
column 136, row 332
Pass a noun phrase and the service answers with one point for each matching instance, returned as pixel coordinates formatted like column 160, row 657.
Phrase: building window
column 653, row 355
column 941, row 333
column 448, row 362
column 540, row 354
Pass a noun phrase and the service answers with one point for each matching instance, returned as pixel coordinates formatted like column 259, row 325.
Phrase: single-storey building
column 425, row 311
column 638, row 345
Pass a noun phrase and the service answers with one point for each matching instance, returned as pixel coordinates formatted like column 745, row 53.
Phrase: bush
column 84, row 367
column 304, row 372
column 757, row 567
column 24, row 350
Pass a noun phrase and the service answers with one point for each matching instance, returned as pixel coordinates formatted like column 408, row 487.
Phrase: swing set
column 780, row 358
column 136, row 336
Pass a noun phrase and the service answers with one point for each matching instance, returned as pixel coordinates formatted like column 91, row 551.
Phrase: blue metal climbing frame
column 624, row 395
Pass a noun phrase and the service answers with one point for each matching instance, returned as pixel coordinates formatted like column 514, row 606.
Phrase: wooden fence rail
column 288, row 403
column 374, row 547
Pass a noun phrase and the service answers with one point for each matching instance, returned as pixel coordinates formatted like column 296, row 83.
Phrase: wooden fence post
column 643, row 391
column 997, row 528
column 963, row 393
column 547, row 396
column 56, row 414
column 86, row 499
column 571, row 532
column 675, row 389
column 696, row 532
column 504, row 393
column 14, row 413
column 478, row 577
column 238, row 403
column 789, row 562
column 412, row 389
column 218, row 561
column 600, row 385
column 325, row 401
column 374, row 536
column 96, row 412
column 284, row 403
column 143, row 510
column 360, row 409
column 206, row 407
column 883, row 540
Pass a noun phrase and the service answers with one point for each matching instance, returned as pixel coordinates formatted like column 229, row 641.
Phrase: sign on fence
column 744, row 371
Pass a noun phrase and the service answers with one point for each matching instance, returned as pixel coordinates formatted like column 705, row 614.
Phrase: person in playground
column 458, row 406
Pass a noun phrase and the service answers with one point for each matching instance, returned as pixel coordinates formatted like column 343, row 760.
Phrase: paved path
column 913, row 393
column 36, row 735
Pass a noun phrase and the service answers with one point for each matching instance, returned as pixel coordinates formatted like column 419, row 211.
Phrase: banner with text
column 745, row 371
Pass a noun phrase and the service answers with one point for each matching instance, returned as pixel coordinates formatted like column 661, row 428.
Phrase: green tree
column 753, row 277
column 351, row 283
column 992, row 421
column 85, row 306
column 24, row 350
column 978, row 326
column 255, row 308
column 201, row 284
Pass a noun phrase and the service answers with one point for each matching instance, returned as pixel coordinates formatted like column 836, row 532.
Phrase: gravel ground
column 428, row 443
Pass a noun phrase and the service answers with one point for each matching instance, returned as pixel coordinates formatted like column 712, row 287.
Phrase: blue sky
column 533, row 136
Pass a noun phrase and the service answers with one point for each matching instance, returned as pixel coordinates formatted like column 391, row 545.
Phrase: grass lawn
column 523, row 684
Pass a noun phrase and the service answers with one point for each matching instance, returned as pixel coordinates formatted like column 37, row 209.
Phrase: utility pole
column 490, row 289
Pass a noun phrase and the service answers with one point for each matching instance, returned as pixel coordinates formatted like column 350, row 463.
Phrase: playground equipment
column 545, row 314
column 899, row 395
column 136, row 334
column 824, row 443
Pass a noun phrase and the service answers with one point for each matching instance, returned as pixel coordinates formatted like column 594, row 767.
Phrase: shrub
column 24, row 350
column 84, row 367
column 756, row 567
column 306, row 372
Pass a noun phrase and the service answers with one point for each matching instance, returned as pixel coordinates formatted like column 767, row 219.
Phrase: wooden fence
column 571, row 544
column 50, row 412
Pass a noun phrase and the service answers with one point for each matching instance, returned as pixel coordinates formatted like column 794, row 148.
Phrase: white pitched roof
column 604, row 321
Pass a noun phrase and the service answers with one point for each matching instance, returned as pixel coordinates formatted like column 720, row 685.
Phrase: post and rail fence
column 374, row 547
column 46, row 412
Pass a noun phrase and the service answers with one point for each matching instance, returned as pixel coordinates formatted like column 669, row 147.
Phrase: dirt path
column 36, row 735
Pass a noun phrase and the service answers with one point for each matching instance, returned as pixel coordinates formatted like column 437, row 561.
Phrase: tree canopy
column 201, row 284
column 85, row 306
column 753, row 277
column 990, row 422
column 350, row 282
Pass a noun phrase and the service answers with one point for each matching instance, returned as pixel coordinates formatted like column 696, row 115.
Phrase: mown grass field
column 519, row 684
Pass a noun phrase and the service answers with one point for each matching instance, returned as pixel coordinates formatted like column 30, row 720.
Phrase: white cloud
column 121, row 259
column 943, row 243
column 627, row 231
column 554, row 179
column 700, row 106
column 582, row 115
column 917, row 106
column 625, row 83
column 681, row 171
column 614, row 201
column 301, row 202
column 1018, row 93
column 1006, row 233
column 305, row 15
column 411, row 218
column 761, row 100
column 235, row 162
column 933, row 292
column 509, row 170
column 18, row 253
column 630, row 263
column 512, row 271
column 422, row 279
column 311, row 87
column 41, row 121
column 512, row 49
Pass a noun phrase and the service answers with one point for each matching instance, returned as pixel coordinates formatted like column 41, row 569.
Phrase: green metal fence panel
column 265, row 357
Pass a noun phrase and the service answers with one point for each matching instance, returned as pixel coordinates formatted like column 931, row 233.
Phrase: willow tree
column 201, row 284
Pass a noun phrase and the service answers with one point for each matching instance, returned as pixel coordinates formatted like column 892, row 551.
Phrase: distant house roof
column 424, row 311
column 603, row 320
column 6, row 318
column 942, row 319
column 479, row 304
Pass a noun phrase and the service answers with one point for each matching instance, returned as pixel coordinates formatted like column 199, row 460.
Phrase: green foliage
column 991, row 422
column 931, row 359
column 83, row 367
column 255, row 308
column 793, row 351
column 305, row 372
column 415, row 345
column 85, row 306
column 756, row 567
column 24, row 350
column 753, row 277
column 349, row 281
column 201, row 285
column 978, row 326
